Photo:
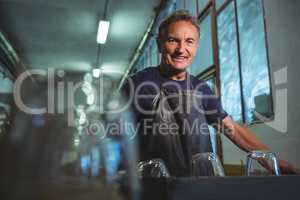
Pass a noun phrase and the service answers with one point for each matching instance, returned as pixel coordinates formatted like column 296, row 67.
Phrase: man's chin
column 179, row 68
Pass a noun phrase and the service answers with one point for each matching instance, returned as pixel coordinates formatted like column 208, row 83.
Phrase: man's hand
column 287, row 168
column 247, row 141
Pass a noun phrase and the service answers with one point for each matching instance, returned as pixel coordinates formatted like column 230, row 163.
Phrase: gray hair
column 178, row 15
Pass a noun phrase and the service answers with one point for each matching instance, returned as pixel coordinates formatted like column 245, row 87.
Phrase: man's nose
column 180, row 47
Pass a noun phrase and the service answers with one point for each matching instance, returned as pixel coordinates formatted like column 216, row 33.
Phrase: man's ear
column 158, row 43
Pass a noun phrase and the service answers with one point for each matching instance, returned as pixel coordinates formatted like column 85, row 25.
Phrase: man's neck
column 172, row 74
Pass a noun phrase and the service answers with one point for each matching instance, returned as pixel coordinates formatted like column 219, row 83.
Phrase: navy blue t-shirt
column 148, row 90
column 147, row 83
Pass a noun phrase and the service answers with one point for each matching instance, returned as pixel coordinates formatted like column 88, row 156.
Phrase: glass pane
column 229, row 66
column 219, row 3
column 191, row 6
column 179, row 4
column 256, row 88
column 204, row 56
column 202, row 4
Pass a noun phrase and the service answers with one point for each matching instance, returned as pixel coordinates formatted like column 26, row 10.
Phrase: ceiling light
column 96, row 73
column 102, row 31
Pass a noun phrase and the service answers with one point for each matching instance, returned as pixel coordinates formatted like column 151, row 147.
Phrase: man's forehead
column 179, row 24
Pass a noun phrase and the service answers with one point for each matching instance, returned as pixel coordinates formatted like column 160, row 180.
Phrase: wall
column 283, row 31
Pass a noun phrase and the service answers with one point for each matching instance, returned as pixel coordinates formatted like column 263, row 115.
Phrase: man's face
column 179, row 45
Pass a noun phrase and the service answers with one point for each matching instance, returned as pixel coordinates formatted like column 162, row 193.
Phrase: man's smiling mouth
column 179, row 58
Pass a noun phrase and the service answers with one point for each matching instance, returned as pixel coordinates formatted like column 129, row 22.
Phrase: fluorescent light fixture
column 102, row 31
column 96, row 73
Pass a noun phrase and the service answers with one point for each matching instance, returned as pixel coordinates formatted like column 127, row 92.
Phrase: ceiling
column 62, row 33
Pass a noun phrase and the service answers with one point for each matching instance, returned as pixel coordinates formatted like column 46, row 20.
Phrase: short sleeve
column 213, row 109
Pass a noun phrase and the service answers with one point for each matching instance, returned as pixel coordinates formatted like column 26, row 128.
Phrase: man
column 177, row 42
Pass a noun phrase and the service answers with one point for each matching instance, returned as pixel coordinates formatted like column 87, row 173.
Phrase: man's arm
column 241, row 136
column 247, row 141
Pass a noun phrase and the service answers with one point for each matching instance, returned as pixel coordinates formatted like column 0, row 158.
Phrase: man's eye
column 171, row 40
column 190, row 42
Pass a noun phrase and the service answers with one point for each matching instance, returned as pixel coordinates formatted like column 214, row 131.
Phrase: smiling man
column 178, row 45
column 168, row 95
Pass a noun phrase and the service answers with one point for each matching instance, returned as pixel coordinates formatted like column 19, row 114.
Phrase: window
column 239, row 56
column 254, row 62
column 244, row 73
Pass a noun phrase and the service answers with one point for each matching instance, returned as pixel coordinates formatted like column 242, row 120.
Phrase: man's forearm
column 242, row 136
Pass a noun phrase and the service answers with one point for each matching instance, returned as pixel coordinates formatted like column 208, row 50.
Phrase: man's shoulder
column 196, row 81
column 200, row 85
